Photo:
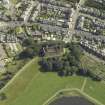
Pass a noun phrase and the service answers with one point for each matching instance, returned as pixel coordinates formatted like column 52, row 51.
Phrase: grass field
column 43, row 87
column 17, row 86
column 96, row 90
column 31, row 87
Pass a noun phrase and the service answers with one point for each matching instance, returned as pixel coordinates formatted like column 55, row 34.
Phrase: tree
column 44, row 65
column 72, row 60
column 42, row 52
column 66, row 68
column 57, row 65
column 83, row 72
column 2, row 96
column 27, row 53
column 2, row 84
column 76, row 50
column 98, row 78
column 74, row 69
column 28, row 42
column 50, row 66
column 47, row 65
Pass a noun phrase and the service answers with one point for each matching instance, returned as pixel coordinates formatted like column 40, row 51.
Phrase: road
column 74, row 19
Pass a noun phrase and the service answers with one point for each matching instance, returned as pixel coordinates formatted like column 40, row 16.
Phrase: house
column 52, row 49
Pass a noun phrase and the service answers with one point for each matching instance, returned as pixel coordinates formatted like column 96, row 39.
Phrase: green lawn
column 96, row 90
column 32, row 87
column 15, row 88
column 42, row 88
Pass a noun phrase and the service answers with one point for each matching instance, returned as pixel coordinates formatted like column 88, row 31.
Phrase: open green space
column 20, row 81
column 31, row 87
column 43, row 87
column 96, row 90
